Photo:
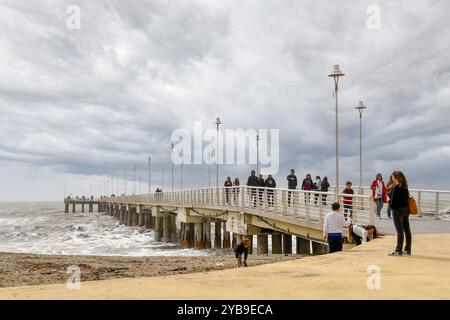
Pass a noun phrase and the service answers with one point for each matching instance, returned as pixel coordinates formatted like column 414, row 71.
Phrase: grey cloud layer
column 99, row 99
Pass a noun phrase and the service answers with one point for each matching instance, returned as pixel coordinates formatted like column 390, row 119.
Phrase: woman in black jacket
column 400, row 213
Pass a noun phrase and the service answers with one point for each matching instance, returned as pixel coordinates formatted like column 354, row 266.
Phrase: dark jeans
column 356, row 238
column 335, row 243
column 401, row 222
column 379, row 203
column 348, row 208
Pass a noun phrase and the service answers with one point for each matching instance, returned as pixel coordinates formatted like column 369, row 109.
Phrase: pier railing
column 310, row 206
column 429, row 202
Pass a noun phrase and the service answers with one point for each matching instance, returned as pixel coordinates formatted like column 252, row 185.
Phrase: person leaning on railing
column 270, row 184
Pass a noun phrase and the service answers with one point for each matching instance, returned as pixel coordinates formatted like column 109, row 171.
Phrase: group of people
column 396, row 194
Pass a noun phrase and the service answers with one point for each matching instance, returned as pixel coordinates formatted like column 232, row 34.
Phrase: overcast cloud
column 78, row 106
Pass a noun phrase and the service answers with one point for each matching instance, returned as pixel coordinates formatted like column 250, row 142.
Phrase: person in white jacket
column 332, row 227
column 362, row 234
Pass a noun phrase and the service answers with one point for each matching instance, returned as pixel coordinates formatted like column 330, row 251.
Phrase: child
column 332, row 228
column 348, row 201
column 242, row 248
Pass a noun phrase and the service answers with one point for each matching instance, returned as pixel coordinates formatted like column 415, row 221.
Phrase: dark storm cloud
column 96, row 101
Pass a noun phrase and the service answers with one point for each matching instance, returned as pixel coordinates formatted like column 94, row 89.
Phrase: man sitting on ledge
column 242, row 248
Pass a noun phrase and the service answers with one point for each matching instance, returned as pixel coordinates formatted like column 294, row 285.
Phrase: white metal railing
column 305, row 205
column 429, row 202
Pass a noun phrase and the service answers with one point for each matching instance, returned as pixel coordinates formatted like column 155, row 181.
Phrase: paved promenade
column 425, row 275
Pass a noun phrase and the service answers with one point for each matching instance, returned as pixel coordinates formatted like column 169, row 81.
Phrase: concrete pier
column 287, row 244
column 263, row 244
column 276, row 244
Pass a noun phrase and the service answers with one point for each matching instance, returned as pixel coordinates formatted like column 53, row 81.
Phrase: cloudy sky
column 79, row 106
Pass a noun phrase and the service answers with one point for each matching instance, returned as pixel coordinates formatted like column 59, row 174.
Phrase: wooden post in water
column 173, row 230
column 263, row 244
column 66, row 210
column 73, row 207
column 91, row 207
column 287, row 244
column 166, row 227
column 82, row 208
column 276, row 244
column 158, row 232
column 183, row 238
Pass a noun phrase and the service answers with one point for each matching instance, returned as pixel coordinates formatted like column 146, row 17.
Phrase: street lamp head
column 257, row 137
column 172, row 146
column 218, row 122
column 360, row 106
column 336, row 72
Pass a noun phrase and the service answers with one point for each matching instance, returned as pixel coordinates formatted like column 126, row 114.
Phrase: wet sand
column 29, row 269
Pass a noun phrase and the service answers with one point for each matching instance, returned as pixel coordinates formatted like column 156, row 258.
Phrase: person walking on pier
column 325, row 186
column 317, row 187
column 236, row 190
column 242, row 249
column 270, row 185
column 379, row 193
column 261, row 185
column 252, row 181
column 400, row 212
column 307, row 185
column 292, row 185
column 389, row 186
column 348, row 201
column 228, row 184
column 332, row 228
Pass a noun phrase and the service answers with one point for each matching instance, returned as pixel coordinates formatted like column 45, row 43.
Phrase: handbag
column 412, row 206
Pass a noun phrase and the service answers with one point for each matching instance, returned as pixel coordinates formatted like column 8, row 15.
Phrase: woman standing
column 400, row 212
column 228, row 183
column 236, row 185
column 379, row 193
column 390, row 185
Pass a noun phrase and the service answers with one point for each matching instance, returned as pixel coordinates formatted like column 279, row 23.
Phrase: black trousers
column 356, row 238
column 401, row 222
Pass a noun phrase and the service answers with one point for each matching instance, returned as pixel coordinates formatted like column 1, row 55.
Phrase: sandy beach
column 29, row 269
column 343, row 275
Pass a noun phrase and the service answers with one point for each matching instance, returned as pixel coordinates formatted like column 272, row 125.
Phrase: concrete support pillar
column 147, row 219
column 303, row 246
column 276, row 244
column 187, row 235
column 129, row 216
column 91, row 207
column 198, row 243
column 263, row 244
column 173, row 228
column 217, row 234
column 82, row 208
column 287, row 244
column 140, row 212
column 166, row 227
column 234, row 240
column 250, row 249
column 122, row 214
column 319, row 248
column 226, row 236
column 73, row 207
column 158, row 232
column 66, row 210
column 207, row 234
column 183, row 238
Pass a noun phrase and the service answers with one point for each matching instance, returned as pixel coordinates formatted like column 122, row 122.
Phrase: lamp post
column 209, row 169
column 149, row 176
column 218, row 123
column 125, row 182
column 162, row 179
column 171, row 158
column 257, row 154
column 134, row 180
column 336, row 74
column 360, row 109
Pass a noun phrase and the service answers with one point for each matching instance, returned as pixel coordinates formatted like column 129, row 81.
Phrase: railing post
column 436, row 212
column 372, row 212
column 284, row 201
column 419, row 203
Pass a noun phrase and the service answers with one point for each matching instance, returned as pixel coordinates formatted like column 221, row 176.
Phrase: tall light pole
column 134, row 179
column 125, row 182
column 209, row 169
column 336, row 74
column 360, row 109
column 149, row 175
column 257, row 154
column 162, row 178
column 171, row 159
column 181, row 177
column 218, row 123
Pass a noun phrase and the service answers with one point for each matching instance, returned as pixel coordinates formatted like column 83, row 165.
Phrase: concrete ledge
column 343, row 275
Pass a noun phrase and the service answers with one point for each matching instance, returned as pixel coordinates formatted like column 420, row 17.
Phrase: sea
column 44, row 228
